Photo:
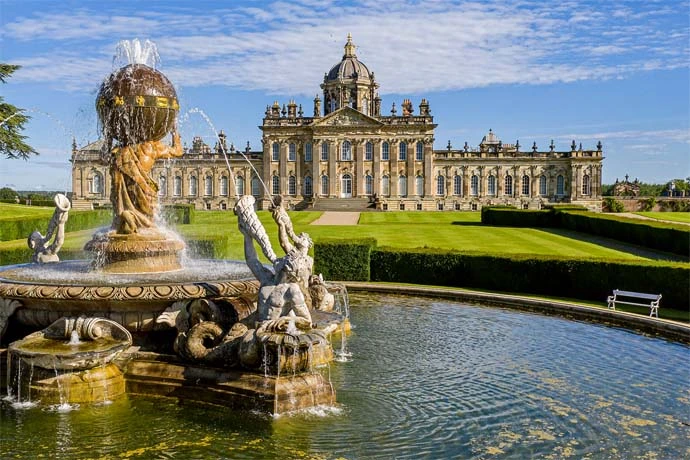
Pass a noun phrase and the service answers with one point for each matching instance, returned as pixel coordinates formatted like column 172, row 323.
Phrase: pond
column 427, row 378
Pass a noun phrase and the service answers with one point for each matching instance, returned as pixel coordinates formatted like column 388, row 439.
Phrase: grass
column 15, row 211
column 683, row 217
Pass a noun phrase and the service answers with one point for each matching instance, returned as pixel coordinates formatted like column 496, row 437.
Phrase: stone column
column 376, row 168
column 332, row 171
column 282, row 167
column 315, row 166
column 428, row 167
column 358, row 157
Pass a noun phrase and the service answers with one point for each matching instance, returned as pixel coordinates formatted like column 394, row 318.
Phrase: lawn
column 14, row 211
column 683, row 217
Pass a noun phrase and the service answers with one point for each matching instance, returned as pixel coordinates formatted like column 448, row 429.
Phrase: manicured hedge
column 562, row 277
column 212, row 247
column 341, row 260
column 16, row 229
column 505, row 216
column 22, row 255
column 179, row 214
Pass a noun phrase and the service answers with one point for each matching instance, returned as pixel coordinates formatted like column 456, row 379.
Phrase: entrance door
column 346, row 189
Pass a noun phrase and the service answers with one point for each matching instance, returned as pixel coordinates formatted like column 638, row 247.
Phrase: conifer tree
column 12, row 120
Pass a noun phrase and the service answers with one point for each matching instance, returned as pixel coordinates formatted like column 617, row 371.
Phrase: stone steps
column 343, row 204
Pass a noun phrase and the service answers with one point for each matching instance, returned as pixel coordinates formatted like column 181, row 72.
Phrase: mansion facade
column 347, row 155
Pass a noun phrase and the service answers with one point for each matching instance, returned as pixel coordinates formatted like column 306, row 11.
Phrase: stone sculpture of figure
column 135, row 194
column 44, row 252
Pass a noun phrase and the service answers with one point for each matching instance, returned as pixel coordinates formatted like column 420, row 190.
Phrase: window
column 308, row 186
column 276, row 152
column 525, row 185
column 368, row 185
column 491, row 185
column 457, row 207
column 162, row 185
column 402, row 151
column 324, row 151
column 560, row 185
column 439, row 206
column 474, row 206
column 369, row 151
column 208, row 206
column 97, row 183
column 324, row 185
column 585, row 185
column 419, row 155
column 385, row 186
column 275, row 185
column 292, row 152
column 474, row 185
column 365, row 106
column 440, row 185
column 346, row 151
column 346, row 186
column 401, row 206
column 192, row 186
column 292, row 185
column 419, row 206
column 402, row 185
column 223, row 206
column 307, row 151
column 177, row 186
column 509, row 185
column 256, row 186
column 208, row 186
column 419, row 185
column 224, row 186
column 385, row 151
column 457, row 185
column 239, row 185
column 542, row 185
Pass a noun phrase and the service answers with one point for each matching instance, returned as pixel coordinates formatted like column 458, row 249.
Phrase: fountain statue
column 43, row 251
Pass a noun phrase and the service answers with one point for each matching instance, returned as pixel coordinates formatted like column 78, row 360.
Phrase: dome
column 350, row 68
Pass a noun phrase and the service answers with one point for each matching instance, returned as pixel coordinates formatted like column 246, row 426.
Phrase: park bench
column 652, row 300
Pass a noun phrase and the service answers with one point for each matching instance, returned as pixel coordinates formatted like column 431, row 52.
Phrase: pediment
column 347, row 116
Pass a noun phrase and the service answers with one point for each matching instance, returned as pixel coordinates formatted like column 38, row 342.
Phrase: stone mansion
column 348, row 155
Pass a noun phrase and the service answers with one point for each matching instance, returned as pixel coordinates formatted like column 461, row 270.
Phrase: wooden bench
column 628, row 296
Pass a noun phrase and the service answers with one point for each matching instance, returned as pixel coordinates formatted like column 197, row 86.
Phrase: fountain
column 135, row 319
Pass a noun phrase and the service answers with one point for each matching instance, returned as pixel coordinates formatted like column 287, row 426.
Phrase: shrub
column 17, row 229
column 647, row 204
column 178, row 214
column 343, row 260
column 613, row 205
column 212, row 247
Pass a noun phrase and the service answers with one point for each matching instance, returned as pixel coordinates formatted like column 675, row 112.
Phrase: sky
column 611, row 71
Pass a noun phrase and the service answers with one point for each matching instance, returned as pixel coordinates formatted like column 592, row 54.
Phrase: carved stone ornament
column 7, row 308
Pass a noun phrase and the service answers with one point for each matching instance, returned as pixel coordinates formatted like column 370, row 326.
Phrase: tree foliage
column 7, row 193
column 12, row 120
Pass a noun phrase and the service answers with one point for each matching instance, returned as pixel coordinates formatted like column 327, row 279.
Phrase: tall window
column 585, row 185
column 292, row 185
column 162, row 185
column 276, row 152
column 256, row 186
column 509, row 185
column 385, row 151
column 224, row 186
column 365, row 106
column 193, row 186
column 474, row 185
column 368, row 185
column 307, row 151
column 177, row 186
column 402, row 151
column 491, row 185
column 208, row 186
column 239, row 185
column 385, row 186
column 542, row 185
column 346, row 151
column 560, row 185
column 440, row 185
column 308, row 186
column 402, row 185
column 324, row 185
column 419, row 185
column 457, row 185
column 275, row 185
column 292, row 152
column 97, row 184
column 324, row 151
column 419, row 155
column 369, row 151
column 525, row 185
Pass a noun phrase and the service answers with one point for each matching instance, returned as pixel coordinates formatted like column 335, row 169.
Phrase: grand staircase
column 343, row 204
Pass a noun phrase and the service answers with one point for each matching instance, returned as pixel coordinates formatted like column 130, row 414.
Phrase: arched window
column 324, row 151
column 193, row 186
column 457, row 185
column 224, row 186
column 346, row 151
column 525, row 185
column 324, row 185
column 177, row 186
column 239, row 185
column 585, row 185
column 474, row 185
column 256, row 186
column 292, row 152
column 308, row 186
column 97, row 184
column 369, row 151
column 162, row 185
column 385, row 151
column 307, row 151
column 208, row 186
column 368, row 185
column 560, row 185
column 385, row 185
column 508, row 185
column 491, row 185
column 402, row 151
column 275, row 185
column 440, row 185
column 542, row 185
column 419, row 185
column 292, row 185
column 402, row 185
column 419, row 155
column 276, row 152
column 346, row 186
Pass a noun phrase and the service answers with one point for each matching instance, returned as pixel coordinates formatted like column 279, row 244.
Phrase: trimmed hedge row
column 341, row 260
column 17, row 229
column 212, row 247
column 179, row 214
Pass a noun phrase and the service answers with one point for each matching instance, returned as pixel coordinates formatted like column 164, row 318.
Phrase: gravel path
column 637, row 216
column 337, row 218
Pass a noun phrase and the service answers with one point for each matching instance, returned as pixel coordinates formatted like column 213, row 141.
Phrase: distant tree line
column 680, row 187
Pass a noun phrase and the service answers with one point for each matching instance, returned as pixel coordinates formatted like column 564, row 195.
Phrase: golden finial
column 349, row 47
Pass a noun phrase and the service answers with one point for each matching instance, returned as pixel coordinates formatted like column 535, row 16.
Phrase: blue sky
column 615, row 71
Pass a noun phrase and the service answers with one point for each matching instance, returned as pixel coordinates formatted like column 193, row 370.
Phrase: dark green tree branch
column 12, row 120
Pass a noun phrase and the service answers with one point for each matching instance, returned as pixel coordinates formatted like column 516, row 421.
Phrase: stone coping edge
column 668, row 329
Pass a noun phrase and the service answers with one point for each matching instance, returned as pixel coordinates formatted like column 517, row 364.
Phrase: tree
column 12, row 121
column 7, row 193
